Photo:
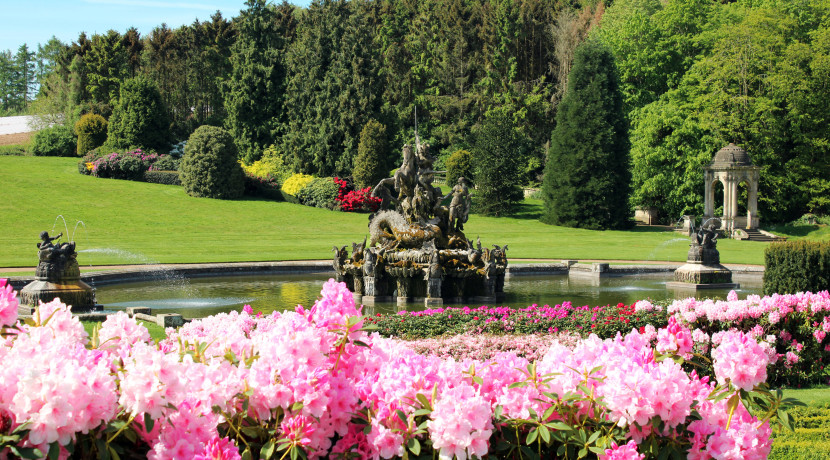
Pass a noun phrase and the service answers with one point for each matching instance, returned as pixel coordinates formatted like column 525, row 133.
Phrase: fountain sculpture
column 417, row 248
column 703, row 269
column 58, row 275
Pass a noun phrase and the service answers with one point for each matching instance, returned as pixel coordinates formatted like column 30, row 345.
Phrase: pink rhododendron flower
column 741, row 360
column 8, row 304
column 219, row 449
column 675, row 339
column 626, row 451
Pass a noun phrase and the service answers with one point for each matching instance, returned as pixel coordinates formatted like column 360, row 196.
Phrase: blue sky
column 35, row 21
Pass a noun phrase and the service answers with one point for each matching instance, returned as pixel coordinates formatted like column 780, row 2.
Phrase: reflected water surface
column 198, row 297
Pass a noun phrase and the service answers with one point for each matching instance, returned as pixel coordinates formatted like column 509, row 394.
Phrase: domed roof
column 731, row 155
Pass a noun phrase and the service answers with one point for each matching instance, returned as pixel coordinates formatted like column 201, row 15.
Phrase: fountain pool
column 210, row 295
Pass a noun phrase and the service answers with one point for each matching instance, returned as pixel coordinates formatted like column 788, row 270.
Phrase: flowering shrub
column 129, row 165
column 295, row 183
column 605, row 321
column 315, row 383
column 487, row 346
column 794, row 325
column 351, row 200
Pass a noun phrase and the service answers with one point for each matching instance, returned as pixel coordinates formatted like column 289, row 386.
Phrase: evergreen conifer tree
column 371, row 164
column 497, row 149
column 140, row 118
column 587, row 174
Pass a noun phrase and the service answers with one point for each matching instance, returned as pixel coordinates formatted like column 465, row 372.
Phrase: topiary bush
column 320, row 192
column 139, row 118
column 209, row 167
column 91, row 130
column 371, row 163
column 797, row 266
column 56, row 141
column 459, row 164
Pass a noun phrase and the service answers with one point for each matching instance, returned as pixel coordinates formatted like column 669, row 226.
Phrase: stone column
column 709, row 195
column 752, row 204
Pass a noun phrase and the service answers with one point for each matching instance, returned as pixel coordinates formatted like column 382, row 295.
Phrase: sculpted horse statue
column 406, row 175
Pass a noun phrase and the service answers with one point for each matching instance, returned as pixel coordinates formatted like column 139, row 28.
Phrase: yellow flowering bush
column 270, row 165
column 295, row 183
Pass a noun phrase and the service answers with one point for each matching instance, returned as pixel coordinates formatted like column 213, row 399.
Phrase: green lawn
column 134, row 223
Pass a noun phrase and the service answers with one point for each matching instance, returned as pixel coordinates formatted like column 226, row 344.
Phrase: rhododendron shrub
column 795, row 326
column 318, row 383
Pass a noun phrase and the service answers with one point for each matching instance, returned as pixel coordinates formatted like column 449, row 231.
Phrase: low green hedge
column 797, row 266
column 162, row 177
column 811, row 439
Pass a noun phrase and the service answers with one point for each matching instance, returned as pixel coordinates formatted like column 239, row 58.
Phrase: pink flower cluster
column 741, row 360
column 331, row 389
column 8, row 304
column 795, row 327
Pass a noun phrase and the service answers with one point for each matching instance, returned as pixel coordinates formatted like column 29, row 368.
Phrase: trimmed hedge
column 810, row 440
column 162, row 177
column 797, row 266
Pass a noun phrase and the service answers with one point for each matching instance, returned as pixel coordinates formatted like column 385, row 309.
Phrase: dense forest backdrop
column 695, row 75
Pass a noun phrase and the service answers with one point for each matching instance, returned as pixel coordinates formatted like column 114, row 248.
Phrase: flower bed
column 316, row 383
column 605, row 321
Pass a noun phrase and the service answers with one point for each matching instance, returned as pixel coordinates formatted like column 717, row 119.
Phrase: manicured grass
column 134, row 223
column 814, row 397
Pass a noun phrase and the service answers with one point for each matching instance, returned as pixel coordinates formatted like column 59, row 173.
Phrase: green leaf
column 247, row 454
column 401, row 416
column 414, row 446
column 149, row 423
column 517, row 384
column 267, row 450
column 423, row 400
column 297, row 406
column 582, row 453
column 360, row 343
column 113, row 453
column 54, row 451
column 531, row 437
column 545, row 434
column 731, row 405
column 594, row 437
column 26, row 452
column 559, row 425
column 294, row 454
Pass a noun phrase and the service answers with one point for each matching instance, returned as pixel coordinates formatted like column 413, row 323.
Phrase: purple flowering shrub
column 318, row 383
column 129, row 165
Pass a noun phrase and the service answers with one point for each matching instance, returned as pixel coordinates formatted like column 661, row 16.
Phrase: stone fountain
column 417, row 250
column 703, row 269
column 58, row 276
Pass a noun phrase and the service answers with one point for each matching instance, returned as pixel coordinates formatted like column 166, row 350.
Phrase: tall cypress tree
column 587, row 173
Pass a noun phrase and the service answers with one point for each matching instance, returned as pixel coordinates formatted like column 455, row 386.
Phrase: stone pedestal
column 703, row 269
column 58, row 276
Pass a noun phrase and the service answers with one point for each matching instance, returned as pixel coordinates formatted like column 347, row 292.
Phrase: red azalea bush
column 351, row 200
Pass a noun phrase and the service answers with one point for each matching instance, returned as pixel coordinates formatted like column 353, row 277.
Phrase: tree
column 106, row 64
column 371, row 164
column 587, row 176
column 254, row 91
column 497, row 148
column 140, row 118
